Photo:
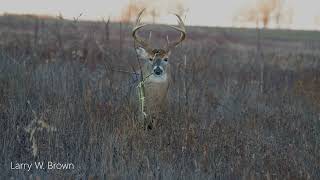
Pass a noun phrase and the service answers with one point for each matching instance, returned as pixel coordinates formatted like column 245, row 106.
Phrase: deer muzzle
column 158, row 70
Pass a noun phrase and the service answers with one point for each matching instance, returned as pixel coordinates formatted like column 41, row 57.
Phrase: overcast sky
column 200, row 12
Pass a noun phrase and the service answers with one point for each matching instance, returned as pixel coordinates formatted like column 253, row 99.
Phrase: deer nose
column 158, row 71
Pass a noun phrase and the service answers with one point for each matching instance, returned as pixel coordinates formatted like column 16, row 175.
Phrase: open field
column 243, row 106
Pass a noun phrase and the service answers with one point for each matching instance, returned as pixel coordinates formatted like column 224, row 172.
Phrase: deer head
column 156, row 60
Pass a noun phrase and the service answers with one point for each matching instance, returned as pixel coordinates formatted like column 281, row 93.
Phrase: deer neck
column 155, row 91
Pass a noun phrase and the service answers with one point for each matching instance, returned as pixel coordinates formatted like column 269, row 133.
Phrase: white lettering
column 21, row 166
column 60, row 166
column 39, row 165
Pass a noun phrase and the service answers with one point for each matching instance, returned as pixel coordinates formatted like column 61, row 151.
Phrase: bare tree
column 106, row 36
column 264, row 12
column 154, row 14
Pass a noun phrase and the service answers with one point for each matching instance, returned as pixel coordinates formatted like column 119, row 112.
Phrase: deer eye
column 150, row 59
column 165, row 59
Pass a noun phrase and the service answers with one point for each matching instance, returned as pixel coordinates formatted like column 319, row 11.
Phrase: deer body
column 155, row 81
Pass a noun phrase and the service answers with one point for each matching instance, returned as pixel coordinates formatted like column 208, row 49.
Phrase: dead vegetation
column 219, row 124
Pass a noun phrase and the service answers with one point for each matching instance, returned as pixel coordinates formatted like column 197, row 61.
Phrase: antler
column 181, row 29
column 170, row 45
column 135, row 35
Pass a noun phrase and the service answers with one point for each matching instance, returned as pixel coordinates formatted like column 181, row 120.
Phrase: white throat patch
column 158, row 79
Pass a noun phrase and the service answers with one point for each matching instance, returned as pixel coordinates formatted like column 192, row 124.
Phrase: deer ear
column 143, row 54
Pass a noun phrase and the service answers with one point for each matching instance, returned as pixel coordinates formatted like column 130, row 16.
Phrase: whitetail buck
column 155, row 73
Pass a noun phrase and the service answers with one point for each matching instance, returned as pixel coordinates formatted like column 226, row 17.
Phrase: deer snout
column 158, row 70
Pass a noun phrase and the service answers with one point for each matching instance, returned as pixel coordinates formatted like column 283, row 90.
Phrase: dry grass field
column 244, row 104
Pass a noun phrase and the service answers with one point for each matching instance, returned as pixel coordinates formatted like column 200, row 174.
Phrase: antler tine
column 135, row 35
column 167, row 39
column 181, row 29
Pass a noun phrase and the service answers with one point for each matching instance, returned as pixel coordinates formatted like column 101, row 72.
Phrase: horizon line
column 79, row 19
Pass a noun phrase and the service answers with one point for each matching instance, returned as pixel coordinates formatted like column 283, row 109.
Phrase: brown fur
column 156, row 101
column 155, row 96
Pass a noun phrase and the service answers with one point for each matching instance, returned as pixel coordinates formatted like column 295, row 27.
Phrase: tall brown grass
column 219, row 124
